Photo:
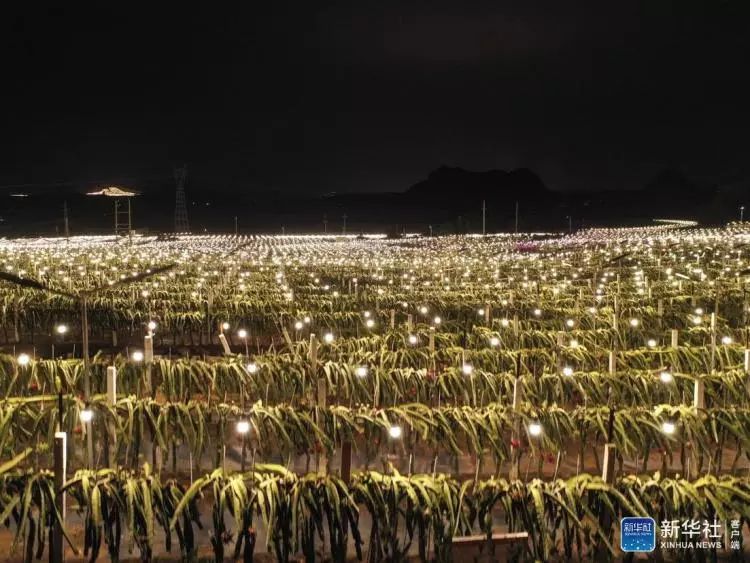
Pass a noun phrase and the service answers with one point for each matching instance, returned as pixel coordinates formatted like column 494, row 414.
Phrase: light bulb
column 86, row 415
column 242, row 333
column 726, row 340
column 567, row 371
column 299, row 325
column 23, row 359
column 225, row 325
column 137, row 356
column 634, row 322
column 494, row 341
column 243, row 427
column 413, row 339
column 666, row 377
column 668, row 427
column 328, row 337
column 467, row 369
column 252, row 367
column 361, row 371
column 151, row 325
column 369, row 323
column 395, row 432
column 535, row 429
column 437, row 320
column 61, row 329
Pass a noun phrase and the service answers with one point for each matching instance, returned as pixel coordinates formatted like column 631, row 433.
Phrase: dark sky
column 326, row 96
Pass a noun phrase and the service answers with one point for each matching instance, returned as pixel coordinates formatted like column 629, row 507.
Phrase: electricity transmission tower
column 181, row 224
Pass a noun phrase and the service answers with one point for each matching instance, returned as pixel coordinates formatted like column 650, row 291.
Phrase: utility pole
column 484, row 217
column 430, row 230
column 65, row 219
column 742, row 213
column 181, row 224
column 235, row 225
column 516, row 216
column 344, row 230
column 325, row 224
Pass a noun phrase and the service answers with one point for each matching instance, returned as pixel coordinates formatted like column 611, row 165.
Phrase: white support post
column 612, row 362
column 515, row 452
column 409, row 322
column 432, row 339
column 148, row 348
column 675, row 338
column 224, row 344
column 313, row 354
column 111, row 448
column 608, row 466
column 393, row 319
column 148, row 358
column 111, row 385
column 322, row 404
column 713, row 342
column 57, row 554
column 699, row 394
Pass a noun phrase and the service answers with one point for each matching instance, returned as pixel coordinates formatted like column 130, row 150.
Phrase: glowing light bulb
column 86, row 415
column 395, row 432
column 494, row 341
column 328, row 337
column 567, row 371
column 243, row 427
column 137, row 356
column 668, row 427
column 666, row 377
column 252, row 367
column 23, row 359
column 361, row 371
column 535, row 429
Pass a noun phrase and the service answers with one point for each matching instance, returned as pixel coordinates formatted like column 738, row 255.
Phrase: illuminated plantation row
column 373, row 397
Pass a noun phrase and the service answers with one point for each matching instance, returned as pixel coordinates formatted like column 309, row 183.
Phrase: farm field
column 339, row 398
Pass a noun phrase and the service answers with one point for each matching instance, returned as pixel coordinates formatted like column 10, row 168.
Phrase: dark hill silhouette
column 672, row 182
column 521, row 184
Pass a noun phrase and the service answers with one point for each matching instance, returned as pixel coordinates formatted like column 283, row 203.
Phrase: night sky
column 322, row 97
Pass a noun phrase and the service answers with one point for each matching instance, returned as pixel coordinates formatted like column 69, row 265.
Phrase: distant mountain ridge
column 446, row 181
